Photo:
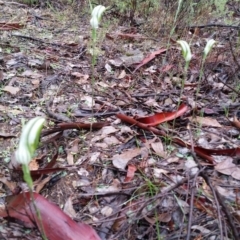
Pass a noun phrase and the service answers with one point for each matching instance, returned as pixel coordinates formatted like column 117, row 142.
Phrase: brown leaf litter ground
column 126, row 182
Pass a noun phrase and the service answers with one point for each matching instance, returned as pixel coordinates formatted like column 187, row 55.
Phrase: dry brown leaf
column 121, row 160
column 11, row 89
column 33, row 165
column 108, row 130
column 227, row 167
column 236, row 173
column 41, row 183
column 206, row 121
column 1, row 76
column 111, row 140
column 70, row 157
column 227, row 193
column 11, row 185
column 152, row 103
column 72, row 151
column 235, row 122
column 122, row 74
column 35, row 82
column 74, row 148
column 68, row 208
column 81, row 78
column 106, row 211
column 32, row 74
column 94, row 157
column 158, row 149
column 164, row 217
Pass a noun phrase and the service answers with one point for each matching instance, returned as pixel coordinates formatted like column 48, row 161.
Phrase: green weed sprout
column 28, row 144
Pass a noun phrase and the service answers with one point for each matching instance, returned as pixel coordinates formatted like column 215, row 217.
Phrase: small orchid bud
column 96, row 16
column 208, row 47
column 186, row 52
column 29, row 140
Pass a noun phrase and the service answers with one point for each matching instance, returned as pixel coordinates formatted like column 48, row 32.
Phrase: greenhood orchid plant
column 206, row 51
column 28, row 144
column 208, row 48
column 187, row 55
column 96, row 15
column 186, row 52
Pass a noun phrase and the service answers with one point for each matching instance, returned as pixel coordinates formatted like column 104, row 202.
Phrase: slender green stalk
column 27, row 176
column 174, row 22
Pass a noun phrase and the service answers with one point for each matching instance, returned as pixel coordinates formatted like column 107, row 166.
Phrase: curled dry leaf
column 235, row 122
column 149, row 57
column 130, row 172
column 158, row 149
column 12, row 90
column 227, row 167
column 71, row 151
column 205, row 121
column 121, row 160
column 163, row 117
column 68, row 208
column 11, row 185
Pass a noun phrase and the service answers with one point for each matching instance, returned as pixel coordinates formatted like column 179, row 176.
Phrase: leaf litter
column 128, row 155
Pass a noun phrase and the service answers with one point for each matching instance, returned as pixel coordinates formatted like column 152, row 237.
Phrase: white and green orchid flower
column 96, row 16
column 29, row 140
column 208, row 47
column 186, row 52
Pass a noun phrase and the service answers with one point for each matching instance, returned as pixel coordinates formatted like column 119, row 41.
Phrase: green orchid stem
column 200, row 77
column 185, row 74
column 94, row 40
column 183, row 82
column 27, row 176
column 94, row 60
column 182, row 86
column 28, row 179
column 90, row 5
